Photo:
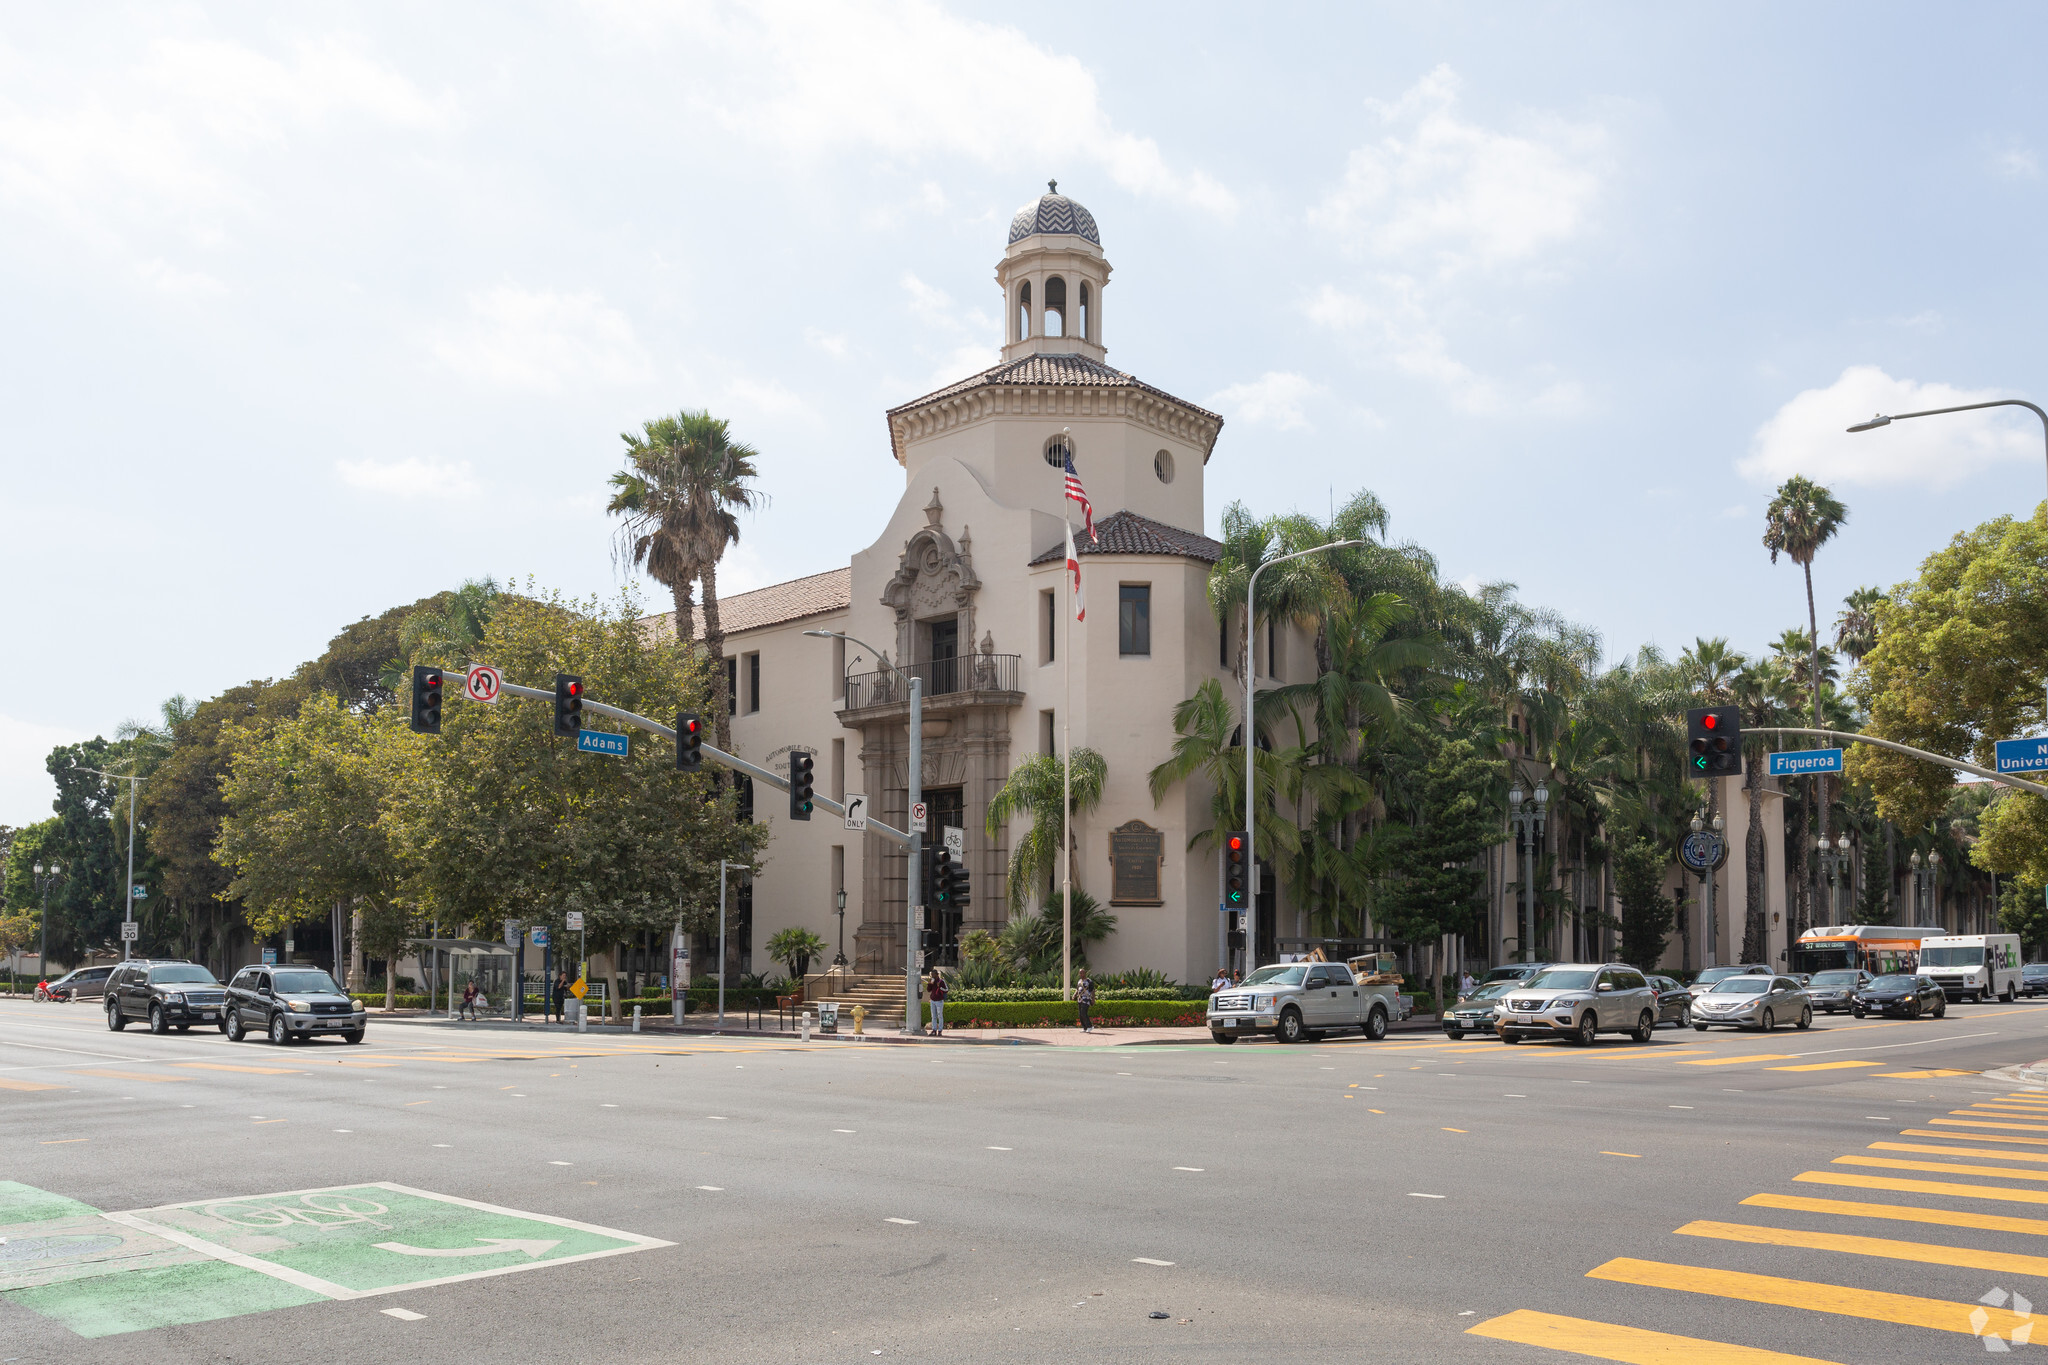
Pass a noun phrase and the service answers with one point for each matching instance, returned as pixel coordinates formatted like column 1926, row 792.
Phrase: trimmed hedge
column 1035, row 995
column 1064, row 1014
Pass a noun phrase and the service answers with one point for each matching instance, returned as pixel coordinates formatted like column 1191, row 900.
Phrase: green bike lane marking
column 102, row 1274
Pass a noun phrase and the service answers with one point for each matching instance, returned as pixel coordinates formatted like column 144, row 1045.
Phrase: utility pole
column 47, row 875
column 128, row 909
column 913, row 883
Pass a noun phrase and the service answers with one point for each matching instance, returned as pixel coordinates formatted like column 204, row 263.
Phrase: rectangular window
column 1134, row 619
column 1272, row 650
column 1223, row 642
column 1048, row 736
column 754, row 681
column 1049, row 629
column 839, row 770
column 732, row 684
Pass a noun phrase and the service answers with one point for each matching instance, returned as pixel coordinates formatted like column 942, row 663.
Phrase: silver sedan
column 1758, row 1002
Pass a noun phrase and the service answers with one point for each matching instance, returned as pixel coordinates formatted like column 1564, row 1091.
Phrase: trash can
column 828, row 1016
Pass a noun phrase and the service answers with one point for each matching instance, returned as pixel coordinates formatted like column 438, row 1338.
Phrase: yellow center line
column 1919, row 1075
column 1632, row 1345
column 255, row 1070
column 129, row 1076
column 410, row 1103
column 1883, row 1182
column 1902, row 1213
column 1968, row 1258
column 1823, row 1066
column 267, row 1120
column 1970, row 1137
column 1750, row 1057
column 1632, row 1156
column 1939, row 1167
column 1457, row 1130
column 61, row 1142
column 9, row 1084
column 1937, row 1314
column 1652, row 1054
column 1957, row 1151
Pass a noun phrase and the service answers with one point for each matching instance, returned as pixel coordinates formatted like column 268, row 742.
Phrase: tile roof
column 773, row 605
column 1074, row 370
column 1127, row 533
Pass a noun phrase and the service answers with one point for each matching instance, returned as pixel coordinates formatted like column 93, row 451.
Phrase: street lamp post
column 1251, row 672
column 913, row 882
column 47, row 876
column 839, row 899
column 1710, row 938
column 1832, row 857
column 128, row 910
column 722, row 866
column 1927, row 888
column 1527, row 816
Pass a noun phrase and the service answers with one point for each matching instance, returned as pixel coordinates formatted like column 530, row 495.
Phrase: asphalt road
column 740, row 1201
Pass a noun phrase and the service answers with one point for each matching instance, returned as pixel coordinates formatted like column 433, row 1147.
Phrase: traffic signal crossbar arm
column 758, row 773
column 2007, row 778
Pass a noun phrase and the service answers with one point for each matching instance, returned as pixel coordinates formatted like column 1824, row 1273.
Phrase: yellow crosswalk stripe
column 128, row 1075
column 7, row 1084
column 1926, row 1253
column 1939, row 1167
column 1885, row 1182
column 1822, row 1066
column 1661, row 1054
column 2003, row 1108
column 1758, row 1057
column 1970, row 1137
column 1957, row 1151
column 1903, row 1213
column 1939, row 1315
column 256, row 1070
column 1985, row 1123
column 1919, row 1075
column 1634, row 1345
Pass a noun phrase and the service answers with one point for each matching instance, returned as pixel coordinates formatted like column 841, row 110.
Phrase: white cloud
column 912, row 80
column 1439, row 194
column 955, row 332
column 765, row 398
column 1275, row 398
column 1395, row 326
column 2016, row 161
column 1807, row 435
column 539, row 339
column 831, row 343
column 408, row 478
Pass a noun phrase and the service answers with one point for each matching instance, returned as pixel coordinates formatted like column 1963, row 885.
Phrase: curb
column 2027, row 1073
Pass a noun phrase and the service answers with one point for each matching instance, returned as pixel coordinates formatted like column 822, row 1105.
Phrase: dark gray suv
column 291, row 1005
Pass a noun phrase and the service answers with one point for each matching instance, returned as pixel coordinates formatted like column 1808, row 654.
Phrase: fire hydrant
column 860, row 1012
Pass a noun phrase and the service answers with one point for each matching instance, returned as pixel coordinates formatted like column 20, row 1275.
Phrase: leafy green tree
column 2022, row 910
column 24, row 851
column 1442, row 888
column 1033, row 789
column 1856, row 623
column 1874, row 905
column 86, row 907
column 1646, row 912
column 444, row 633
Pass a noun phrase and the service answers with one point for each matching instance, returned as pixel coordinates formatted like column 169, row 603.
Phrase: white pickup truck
column 1300, row 1001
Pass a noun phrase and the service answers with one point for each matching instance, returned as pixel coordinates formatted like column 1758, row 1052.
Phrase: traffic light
column 928, row 943
column 960, row 892
column 800, row 784
column 1234, row 937
column 1237, row 851
column 743, row 805
column 1714, row 741
column 939, row 877
column 689, row 742
column 426, row 699
column 568, row 705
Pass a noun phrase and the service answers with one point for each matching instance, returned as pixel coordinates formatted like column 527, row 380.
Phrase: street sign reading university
column 2022, row 755
column 1804, row 762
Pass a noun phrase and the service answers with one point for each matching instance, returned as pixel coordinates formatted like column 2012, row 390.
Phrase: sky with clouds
column 314, row 310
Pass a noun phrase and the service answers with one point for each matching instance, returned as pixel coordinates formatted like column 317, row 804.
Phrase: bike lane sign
column 354, row 1241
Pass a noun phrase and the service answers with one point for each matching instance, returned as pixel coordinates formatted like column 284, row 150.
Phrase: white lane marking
column 842, row 1130
column 344, row 1130
column 1678, row 1106
column 1196, row 1169
column 560, row 1163
column 402, row 1314
column 1147, row 1260
column 719, row 1117
column 534, row 1248
column 607, row 1106
column 715, row 1189
column 906, row 1222
column 1881, row 1118
column 1002, row 1149
column 444, row 1144
column 1505, row 1097
column 1412, row 1194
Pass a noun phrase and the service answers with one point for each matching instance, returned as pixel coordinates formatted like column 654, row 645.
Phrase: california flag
column 1074, row 568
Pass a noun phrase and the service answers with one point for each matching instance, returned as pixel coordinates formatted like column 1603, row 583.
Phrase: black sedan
column 1674, row 1001
column 1911, row 996
column 2034, row 978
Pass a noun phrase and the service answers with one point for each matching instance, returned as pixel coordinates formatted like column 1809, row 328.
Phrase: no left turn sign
column 483, row 683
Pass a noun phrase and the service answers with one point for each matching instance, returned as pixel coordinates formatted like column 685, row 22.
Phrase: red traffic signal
column 1236, row 843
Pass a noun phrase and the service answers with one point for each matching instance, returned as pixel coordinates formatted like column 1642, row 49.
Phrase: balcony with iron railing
column 971, row 679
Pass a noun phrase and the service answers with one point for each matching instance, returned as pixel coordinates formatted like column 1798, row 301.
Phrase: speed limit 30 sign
column 483, row 682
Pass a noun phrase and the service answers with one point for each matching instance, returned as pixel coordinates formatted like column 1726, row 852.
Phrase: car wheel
column 1507, row 1037
column 280, row 1033
column 1376, row 1024
column 1224, row 1038
column 1699, row 1028
column 232, row 1026
column 1856, row 1014
column 1291, row 1030
column 1455, row 1035
column 1587, row 1030
column 1806, row 1017
column 1645, row 1027
column 2007, row 995
column 1941, row 1008
column 1913, row 1009
column 354, row 1035
column 1769, row 1022
column 157, row 1022
column 115, row 1019
column 1685, row 1016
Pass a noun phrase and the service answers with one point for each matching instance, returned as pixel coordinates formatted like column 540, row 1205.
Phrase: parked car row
column 283, row 1003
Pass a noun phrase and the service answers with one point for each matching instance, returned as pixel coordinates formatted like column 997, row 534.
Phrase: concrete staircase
column 883, row 996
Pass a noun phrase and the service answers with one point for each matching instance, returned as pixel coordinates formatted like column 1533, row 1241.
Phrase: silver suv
column 1579, row 1001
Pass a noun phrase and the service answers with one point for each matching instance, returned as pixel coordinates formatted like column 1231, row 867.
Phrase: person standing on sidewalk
column 935, row 992
column 1084, row 997
column 561, row 997
column 468, row 1010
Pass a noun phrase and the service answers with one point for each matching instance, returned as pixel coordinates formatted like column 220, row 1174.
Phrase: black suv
column 167, row 995
column 290, row 1004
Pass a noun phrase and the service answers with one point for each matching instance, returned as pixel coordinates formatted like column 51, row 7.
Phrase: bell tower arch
column 1052, row 276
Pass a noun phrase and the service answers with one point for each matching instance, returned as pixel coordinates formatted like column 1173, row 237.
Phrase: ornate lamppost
column 1704, row 856
column 1833, row 859
column 47, row 875
column 839, row 899
column 1526, row 814
column 1926, row 888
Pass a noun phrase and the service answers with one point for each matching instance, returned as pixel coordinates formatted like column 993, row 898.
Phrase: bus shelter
column 448, row 964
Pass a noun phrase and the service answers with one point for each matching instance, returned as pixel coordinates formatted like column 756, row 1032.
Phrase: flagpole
column 1067, row 774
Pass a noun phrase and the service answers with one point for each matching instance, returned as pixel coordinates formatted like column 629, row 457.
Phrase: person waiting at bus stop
column 561, row 996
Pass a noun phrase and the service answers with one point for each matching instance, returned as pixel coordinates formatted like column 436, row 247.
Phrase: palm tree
column 1033, row 788
column 1802, row 518
column 1210, row 746
column 685, row 477
column 1856, row 625
column 1710, row 666
column 448, row 633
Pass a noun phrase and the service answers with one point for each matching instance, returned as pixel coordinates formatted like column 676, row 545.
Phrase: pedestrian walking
column 935, row 992
column 1466, row 984
column 1084, row 996
column 468, row 1010
column 1221, row 981
column 561, row 997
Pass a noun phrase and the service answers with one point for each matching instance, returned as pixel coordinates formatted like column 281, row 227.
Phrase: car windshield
column 2034, row 969
column 1895, row 983
column 186, row 973
column 1276, row 976
column 1951, row 957
column 311, row 982
column 1741, row 985
column 1713, row 974
column 1567, row 981
column 1834, row 978
column 1492, row 989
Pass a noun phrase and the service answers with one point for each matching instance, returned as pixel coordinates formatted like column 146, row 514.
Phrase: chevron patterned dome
column 1054, row 212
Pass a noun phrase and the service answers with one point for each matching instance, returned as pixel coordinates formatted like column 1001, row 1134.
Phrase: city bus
column 1879, row 949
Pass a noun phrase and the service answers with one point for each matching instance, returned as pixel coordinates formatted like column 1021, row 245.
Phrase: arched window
column 1162, row 463
column 1057, row 449
column 1024, row 311
column 1087, row 331
column 1055, row 307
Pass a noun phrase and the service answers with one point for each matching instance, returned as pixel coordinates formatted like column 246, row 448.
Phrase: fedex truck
column 1973, row 966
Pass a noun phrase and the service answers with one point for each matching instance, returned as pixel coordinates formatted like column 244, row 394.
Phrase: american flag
column 1076, row 493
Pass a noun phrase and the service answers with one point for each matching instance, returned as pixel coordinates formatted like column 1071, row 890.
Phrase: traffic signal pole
column 915, row 912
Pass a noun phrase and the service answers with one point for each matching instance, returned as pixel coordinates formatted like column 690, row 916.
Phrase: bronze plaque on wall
column 1136, row 851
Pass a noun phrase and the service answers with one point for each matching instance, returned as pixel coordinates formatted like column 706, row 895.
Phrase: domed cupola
column 1052, row 274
